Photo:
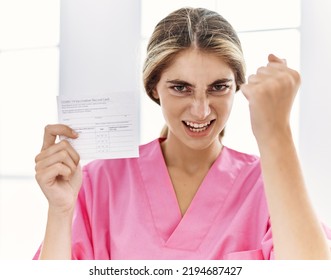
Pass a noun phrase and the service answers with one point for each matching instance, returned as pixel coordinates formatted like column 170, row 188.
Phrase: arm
column 297, row 233
column 59, row 175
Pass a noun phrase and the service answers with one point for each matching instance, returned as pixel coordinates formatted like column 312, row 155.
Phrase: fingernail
column 74, row 133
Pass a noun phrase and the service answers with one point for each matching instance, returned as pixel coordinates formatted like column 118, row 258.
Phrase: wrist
column 275, row 142
column 60, row 213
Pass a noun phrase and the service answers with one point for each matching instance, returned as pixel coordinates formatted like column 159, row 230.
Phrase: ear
column 155, row 94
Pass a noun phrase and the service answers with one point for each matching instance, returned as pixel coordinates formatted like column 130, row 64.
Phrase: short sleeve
column 82, row 246
column 267, row 245
column 327, row 231
column 37, row 254
column 91, row 221
column 265, row 250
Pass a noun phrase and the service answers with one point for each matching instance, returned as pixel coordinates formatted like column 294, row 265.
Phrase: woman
column 187, row 196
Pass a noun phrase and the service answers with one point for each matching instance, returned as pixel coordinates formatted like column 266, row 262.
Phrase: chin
column 201, row 144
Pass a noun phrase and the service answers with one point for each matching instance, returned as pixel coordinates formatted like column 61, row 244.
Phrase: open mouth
column 197, row 127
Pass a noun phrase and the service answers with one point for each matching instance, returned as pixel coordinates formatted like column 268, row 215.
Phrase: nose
column 200, row 108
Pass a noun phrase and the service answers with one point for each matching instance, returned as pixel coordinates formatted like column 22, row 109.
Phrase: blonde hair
column 191, row 27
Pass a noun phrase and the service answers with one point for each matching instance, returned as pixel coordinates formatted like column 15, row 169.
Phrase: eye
column 219, row 89
column 181, row 88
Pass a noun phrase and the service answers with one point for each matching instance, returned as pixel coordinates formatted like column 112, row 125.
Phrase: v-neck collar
column 187, row 232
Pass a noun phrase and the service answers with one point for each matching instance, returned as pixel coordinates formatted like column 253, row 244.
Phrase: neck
column 179, row 155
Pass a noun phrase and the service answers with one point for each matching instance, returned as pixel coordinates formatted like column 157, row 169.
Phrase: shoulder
column 244, row 169
column 247, row 181
column 240, row 158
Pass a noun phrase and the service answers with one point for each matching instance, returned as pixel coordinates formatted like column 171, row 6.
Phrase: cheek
column 229, row 103
column 172, row 105
column 224, row 107
column 170, row 110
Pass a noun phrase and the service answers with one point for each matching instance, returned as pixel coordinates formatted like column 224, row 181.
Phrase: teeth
column 197, row 125
column 198, row 130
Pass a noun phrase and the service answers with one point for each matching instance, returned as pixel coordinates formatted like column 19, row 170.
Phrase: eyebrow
column 220, row 81
column 184, row 83
column 178, row 82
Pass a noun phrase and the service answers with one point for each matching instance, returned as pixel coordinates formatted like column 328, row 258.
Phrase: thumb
column 274, row 58
column 77, row 178
column 245, row 90
column 52, row 131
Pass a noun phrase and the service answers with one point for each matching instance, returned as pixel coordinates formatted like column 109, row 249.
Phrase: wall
column 99, row 53
column 315, row 103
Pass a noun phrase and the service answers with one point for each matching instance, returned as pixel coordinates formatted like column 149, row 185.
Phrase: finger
column 60, row 157
column 273, row 69
column 264, row 72
column 274, row 58
column 296, row 76
column 257, row 78
column 253, row 79
column 63, row 145
column 52, row 131
column 246, row 90
column 46, row 177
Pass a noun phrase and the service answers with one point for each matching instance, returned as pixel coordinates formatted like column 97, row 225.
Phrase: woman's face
column 196, row 94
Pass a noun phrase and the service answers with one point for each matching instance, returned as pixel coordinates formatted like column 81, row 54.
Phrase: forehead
column 196, row 63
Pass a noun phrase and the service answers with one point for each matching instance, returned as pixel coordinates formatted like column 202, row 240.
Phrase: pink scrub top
column 127, row 209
